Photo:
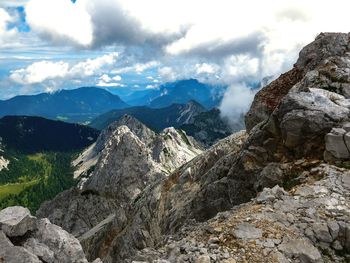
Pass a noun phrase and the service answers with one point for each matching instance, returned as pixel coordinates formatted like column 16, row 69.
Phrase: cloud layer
column 46, row 71
column 235, row 43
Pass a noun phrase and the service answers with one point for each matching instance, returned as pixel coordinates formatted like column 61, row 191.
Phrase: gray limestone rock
column 336, row 143
column 247, row 231
column 301, row 249
column 16, row 221
column 37, row 241
column 322, row 233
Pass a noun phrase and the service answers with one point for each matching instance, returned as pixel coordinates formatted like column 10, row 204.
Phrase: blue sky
column 46, row 45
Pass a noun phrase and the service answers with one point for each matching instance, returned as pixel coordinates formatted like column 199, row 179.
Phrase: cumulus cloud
column 216, row 41
column 268, row 33
column 106, row 81
column 12, row 3
column 167, row 74
column 6, row 35
column 206, row 68
column 94, row 23
column 42, row 71
column 137, row 68
column 60, row 21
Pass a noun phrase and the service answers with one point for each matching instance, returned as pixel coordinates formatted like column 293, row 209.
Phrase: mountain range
column 174, row 115
column 82, row 105
column 77, row 105
column 179, row 92
column 206, row 126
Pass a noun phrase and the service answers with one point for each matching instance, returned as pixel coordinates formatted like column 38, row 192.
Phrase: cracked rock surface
column 24, row 238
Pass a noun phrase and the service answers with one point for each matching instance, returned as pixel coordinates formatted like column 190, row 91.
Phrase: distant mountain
column 178, row 92
column 157, row 119
column 36, row 134
column 209, row 127
column 78, row 105
column 143, row 97
column 183, row 91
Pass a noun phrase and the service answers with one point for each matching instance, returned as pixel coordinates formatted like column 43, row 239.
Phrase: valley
column 38, row 154
column 29, row 180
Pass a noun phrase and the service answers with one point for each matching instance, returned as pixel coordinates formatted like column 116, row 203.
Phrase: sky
column 47, row 45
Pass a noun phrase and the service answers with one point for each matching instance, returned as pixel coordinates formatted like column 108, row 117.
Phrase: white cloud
column 117, row 78
column 110, row 84
column 206, row 68
column 91, row 66
column 268, row 34
column 13, row 3
column 151, row 86
column 213, row 40
column 60, row 20
column 42, row 71
column 167, row 74
column 209, row 26
column 106, row 81
column 105, row 78
column 137, row 68
column 236, row 102
column 6, row 35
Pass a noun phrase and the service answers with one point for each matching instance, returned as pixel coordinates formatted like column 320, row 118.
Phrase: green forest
column 32, row 179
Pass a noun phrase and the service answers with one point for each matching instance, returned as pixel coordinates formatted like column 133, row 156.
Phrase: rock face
column 338, row 142
column 24, row 238
column 326, row 55
column 169, row 149
column 309, row 224
column 209, row 127
column 301, row 213
column 3, row 163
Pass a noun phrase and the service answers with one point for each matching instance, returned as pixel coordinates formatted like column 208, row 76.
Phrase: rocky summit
column 278, row 192
column 125, row 159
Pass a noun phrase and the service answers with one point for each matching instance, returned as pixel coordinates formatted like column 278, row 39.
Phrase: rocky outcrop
column 3, row 163
column 268, row 98
column 308, row 224
column 327, row 55
column 338, row 142
column 24, row 238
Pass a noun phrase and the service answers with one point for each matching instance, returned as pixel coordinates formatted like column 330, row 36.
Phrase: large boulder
column 24, row 238
column 16, row 221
